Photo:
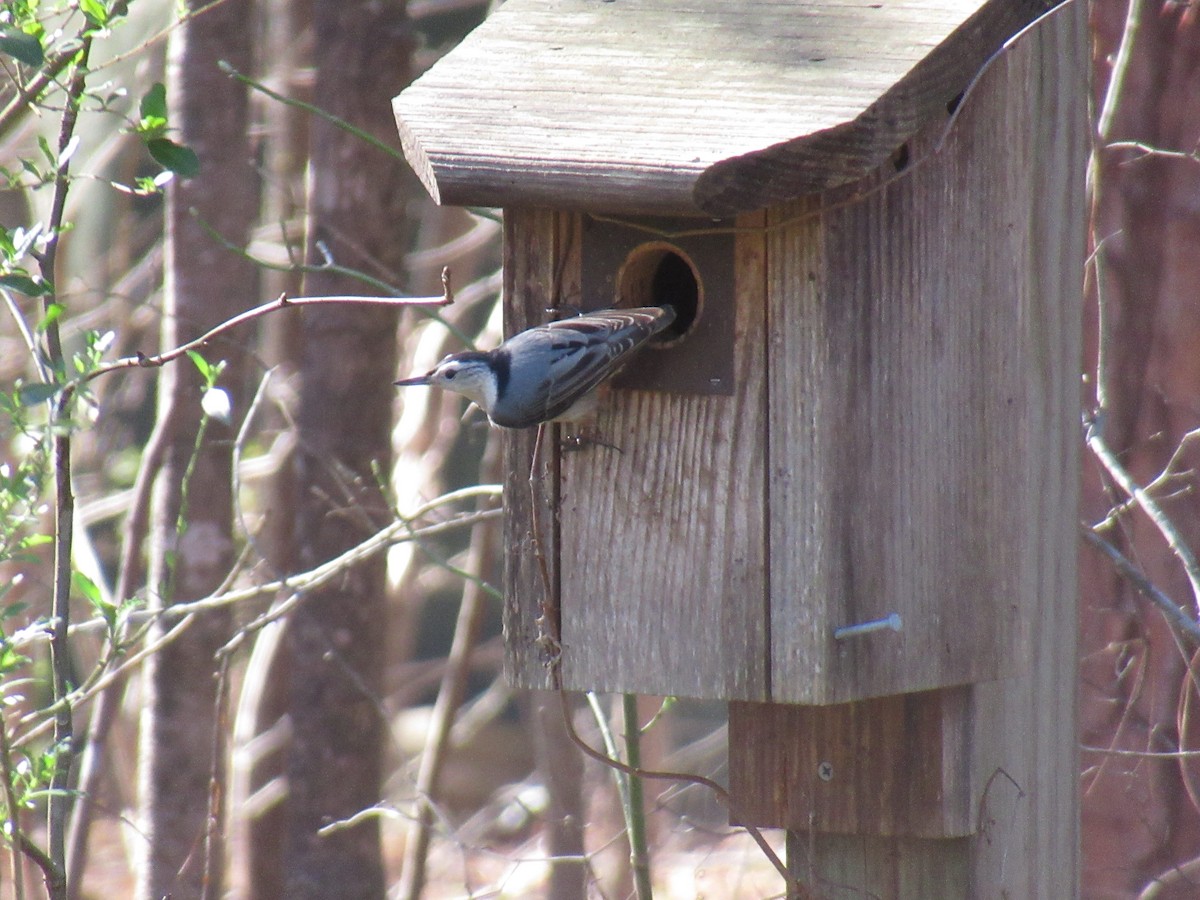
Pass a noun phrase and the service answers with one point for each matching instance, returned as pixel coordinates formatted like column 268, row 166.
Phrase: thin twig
column 108, row 704
column 141, row 361
column 795, row 889
column 341, row 124
column 1175, row 540
column 10, row 799
column 396, row 533
column 53, row 67
column 50, row 872
column 393, row 534
column 239, row 446
column 629, row 790
column 1142, row 754
column 635, row 816
column 450, row 695
column 211, row 886
column 1175, row 615
column 27, row 336
column 104, row 681
column 59, row 801
column 330, row 266
column 549, row 637
column 1149, row 150
column 1116, row 80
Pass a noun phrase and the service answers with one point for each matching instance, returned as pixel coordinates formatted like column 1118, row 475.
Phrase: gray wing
column 553, row 366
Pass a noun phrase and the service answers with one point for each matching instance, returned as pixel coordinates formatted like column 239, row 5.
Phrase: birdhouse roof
column 689, row 106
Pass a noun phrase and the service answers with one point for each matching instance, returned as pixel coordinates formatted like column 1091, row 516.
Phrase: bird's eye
column 449, row 374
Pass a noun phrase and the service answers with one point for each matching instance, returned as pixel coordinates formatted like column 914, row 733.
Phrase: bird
column 549, row 372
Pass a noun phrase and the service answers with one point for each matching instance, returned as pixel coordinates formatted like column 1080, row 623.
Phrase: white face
column 471, row 378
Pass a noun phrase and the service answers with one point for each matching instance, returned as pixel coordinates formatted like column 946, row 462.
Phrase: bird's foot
column 582, row 439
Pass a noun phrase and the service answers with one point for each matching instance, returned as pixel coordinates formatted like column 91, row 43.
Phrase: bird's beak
column 409, row 382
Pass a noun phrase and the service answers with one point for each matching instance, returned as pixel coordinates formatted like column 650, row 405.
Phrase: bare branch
column 141, row 361
column 1175, row 540
column 1149, row 150
column 1176, row 616
column 397, row 532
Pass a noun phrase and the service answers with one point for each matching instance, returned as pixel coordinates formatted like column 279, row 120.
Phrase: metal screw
column 825, row 771
column 891, row 622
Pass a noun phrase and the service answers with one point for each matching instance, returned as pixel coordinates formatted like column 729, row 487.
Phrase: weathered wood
column 1023, row 747
column 901, row 766
column 907, row 371
column 532, row 242
column 867, row 511
column 687, row 106
column 662, row 540
column 891, row 868
column 1030, row 843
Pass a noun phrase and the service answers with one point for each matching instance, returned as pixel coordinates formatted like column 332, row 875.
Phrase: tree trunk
column 205, row 284
column 357, row 211
column 257, row 820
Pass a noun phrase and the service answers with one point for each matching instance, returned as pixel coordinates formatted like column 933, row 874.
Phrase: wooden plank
column 1030, row 847
column 894, row 766
column 686, row 106
column 532, row 243
column 1025, row 738
column 852, row 867
column 663, row 573
column 904, row 336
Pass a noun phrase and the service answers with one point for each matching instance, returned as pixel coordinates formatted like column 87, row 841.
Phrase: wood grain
column 1030, row 847
column 663, row 573
column 1022, row 745
column 532, row 245
column 898, row 765
column 688, row 106
column 905, row 373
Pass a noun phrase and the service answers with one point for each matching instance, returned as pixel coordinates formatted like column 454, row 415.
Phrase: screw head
column 825, row 771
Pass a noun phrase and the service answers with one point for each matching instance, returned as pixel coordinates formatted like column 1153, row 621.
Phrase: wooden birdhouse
column 848, row 472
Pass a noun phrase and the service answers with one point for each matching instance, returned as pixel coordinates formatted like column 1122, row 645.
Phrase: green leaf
column 154, row 104
column 151, row 128
column 95, row 11
column 181, row 160
column 47, row 151
column 89, row 589
column 32, row 169
column 52, row 315
column 24, row 48
column 32, row 287
column 10, row 659
column 35, row 393
column 206, row 370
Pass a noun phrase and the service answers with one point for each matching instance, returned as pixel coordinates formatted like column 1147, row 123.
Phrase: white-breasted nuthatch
column 550, row 371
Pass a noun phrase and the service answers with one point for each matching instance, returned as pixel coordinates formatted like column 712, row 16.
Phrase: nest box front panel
column 867, row 447
column 662, row 567
column 908, row 380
